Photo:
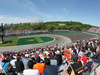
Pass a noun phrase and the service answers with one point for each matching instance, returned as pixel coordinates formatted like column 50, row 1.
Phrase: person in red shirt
column 66, row 54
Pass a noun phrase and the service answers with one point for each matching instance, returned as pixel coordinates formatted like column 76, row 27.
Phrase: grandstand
column 94, row 30
column 98, row 30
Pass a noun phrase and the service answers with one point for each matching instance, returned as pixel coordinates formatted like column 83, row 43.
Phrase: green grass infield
column 26, row 41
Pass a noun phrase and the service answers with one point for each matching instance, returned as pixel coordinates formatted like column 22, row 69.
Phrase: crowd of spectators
column 94, row 29
column 78, row 58
column 23, row 32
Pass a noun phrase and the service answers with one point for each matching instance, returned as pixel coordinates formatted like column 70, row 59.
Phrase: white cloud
column 28, row 5
column 10, row 19
column 36, row 20
column 31, row 6
column 1, row 17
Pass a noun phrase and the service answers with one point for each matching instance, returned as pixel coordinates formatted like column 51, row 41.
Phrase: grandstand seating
column 19, row 31
column 98, row 30
column 94, row 29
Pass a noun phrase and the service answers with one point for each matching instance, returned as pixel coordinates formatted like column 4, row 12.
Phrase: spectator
column 95, row 47
column 12, row 62
column 10, row 69
column 67, row 54
column 4, row 65
column 25, row 61
column 44, row 55
column 7, row 57
column 33, row 59
column 31, row 71
column 98, row 48
column 89, row 65
column 75, row 66
column 58, row 57
column 22, row 57
column 52, row 60
column 81, row 53
column 39, row 66
column 19, row 66
column 96, row 57
column 50, row 69
column 82, row 56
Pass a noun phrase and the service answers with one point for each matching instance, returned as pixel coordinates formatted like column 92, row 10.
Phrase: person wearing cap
column 25, row 61
column 4, row 65
column 50, row 69
column 58, row 57
column 89, row 65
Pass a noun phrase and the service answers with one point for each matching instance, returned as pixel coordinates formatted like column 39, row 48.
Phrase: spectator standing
column 39, row 66
column 25, row 61
column 19, row 66
column 50, row 69
column 31, row 71
column 11, row 70
column 53, row 61
column 12, row 62
column 58, row 57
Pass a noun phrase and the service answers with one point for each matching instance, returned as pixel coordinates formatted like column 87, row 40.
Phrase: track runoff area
column 37, row 41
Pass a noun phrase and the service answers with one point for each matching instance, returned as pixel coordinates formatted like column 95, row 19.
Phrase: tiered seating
column 94, row 29
column 19, row 31
column 98, row 30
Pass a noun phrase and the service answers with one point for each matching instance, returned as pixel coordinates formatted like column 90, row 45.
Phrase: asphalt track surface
column 78, row 36
column 59, row 38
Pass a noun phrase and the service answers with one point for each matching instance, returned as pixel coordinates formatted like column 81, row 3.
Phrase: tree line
column 56, row 25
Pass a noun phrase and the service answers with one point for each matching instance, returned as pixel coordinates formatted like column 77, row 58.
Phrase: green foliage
column 68, row 25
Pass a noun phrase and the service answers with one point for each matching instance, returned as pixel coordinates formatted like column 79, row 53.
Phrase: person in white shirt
column 12, row 62
column 31, row 71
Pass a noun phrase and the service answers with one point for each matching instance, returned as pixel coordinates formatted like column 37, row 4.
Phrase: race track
column 59, row 38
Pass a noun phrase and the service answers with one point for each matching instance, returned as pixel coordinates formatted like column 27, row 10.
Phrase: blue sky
column 16, row 11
